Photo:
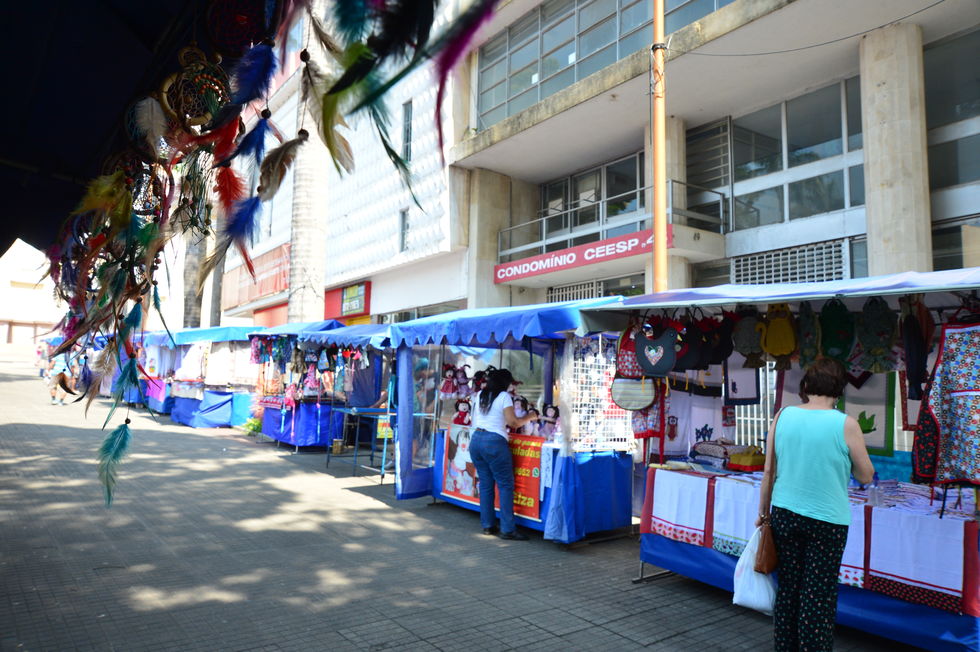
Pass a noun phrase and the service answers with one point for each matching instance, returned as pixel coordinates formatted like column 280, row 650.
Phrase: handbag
column 633, row 393
column 766, row 558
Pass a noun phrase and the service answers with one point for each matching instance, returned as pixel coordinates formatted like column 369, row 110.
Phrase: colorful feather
column 240, row 226
column 110, row 455
column 276, row 164
column 330, row 119
column 227, row 113
column 253, row 73
column 327, row 42
column 133, row 320
column 229, row 188
column 151, row 122
column 253, row 143
column 127, row 379
column 351, row 18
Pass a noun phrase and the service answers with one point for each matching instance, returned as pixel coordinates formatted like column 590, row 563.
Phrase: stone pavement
column 217, row 541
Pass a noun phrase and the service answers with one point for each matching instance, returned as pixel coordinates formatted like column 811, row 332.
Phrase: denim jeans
column 494, row 465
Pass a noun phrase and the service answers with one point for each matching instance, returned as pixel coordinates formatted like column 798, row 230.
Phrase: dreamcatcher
column 194, row 95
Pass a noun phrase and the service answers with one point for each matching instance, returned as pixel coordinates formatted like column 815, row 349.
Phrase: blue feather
column 241, row 225
column 110, row 454
column 252, row 144
column 128, row 378
column 135, row 316
column 351, row 17
column 253, row 74
column 156, row 306
column 270, row 11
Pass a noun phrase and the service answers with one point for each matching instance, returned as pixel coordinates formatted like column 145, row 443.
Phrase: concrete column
column 896, row 164
column 678, row 268
column 308, row 235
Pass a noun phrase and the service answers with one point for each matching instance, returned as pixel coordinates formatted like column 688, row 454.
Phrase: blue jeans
column 491, row 457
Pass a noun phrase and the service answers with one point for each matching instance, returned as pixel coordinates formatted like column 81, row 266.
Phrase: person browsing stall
column 812, row 451
column 490, row 452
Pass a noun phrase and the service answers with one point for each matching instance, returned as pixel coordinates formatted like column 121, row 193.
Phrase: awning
column 296, row 327
column 495, row 326
column 357, row 336
column 216, row 334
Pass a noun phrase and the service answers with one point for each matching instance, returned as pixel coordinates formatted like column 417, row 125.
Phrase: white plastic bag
column 753, row 590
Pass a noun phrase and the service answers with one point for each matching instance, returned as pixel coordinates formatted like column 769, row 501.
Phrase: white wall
column 436, row 280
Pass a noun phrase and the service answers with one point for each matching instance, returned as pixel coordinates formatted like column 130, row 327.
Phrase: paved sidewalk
column 217, row 541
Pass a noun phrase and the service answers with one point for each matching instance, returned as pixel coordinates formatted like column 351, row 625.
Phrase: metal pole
column 658, row 131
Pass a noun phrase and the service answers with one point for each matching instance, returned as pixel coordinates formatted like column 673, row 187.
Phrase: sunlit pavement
column 217, row 541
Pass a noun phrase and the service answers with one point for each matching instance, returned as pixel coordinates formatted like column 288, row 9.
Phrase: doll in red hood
column 463, row 416
column 448, row 388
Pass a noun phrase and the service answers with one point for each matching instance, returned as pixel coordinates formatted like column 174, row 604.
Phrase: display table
column 696, row 524
column 158, row 397
column 376, row 415
column 595, row 492
column 184, row 409
column 302, row 431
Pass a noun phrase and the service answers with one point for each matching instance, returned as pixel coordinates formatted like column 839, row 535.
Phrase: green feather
column 110, row 455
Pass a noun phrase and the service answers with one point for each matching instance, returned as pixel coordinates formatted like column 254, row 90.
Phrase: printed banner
column 459, row 477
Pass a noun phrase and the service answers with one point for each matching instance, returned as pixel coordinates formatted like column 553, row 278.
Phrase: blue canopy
column 358, row 336
column 494, row 326
column 216, row 334
column 159, row 338
column 296, row 327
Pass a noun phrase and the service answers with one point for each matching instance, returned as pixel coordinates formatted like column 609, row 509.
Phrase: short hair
column 825, row 377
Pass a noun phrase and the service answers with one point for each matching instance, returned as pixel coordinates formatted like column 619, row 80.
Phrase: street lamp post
column 658, row 131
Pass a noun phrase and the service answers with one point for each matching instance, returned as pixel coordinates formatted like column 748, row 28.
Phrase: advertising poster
column 459, row 479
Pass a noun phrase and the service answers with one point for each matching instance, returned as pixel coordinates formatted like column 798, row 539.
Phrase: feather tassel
column 351, row 18
column 110, row 455
column 240, row 226
column 128, row 378
column 277, row 163
column 253, row 143
column 253, row 73
column 229, row 188
column 226, row 114
column 330, row 119
column 151, row 122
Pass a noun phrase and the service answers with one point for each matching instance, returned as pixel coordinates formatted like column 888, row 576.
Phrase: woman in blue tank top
column 811, row 453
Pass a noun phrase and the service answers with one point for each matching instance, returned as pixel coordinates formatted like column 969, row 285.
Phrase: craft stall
column 161, row 356
column 573, row 467
column 698, row 381
column 360, row 356
column 296, row 392
column 214, row 379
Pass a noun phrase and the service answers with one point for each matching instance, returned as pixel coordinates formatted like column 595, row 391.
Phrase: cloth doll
column 448, row 388
column 462, row 382
column 747, row 339
column 462, row 472
column 463, row 416
column 548, row 423
column 521, row 409
column 778, row 334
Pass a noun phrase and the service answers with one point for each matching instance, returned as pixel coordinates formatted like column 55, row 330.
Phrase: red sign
column 631, row 244
column 459, row 478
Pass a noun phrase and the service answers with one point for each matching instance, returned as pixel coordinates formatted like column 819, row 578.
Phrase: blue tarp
column 159, row 338
column 213, row 412
column 493, row 326
column 279, row 425
column 918, row 625
column 216, row 334
column 296, row 327
column 241, row 407
column 359, row 335
column 183, row 410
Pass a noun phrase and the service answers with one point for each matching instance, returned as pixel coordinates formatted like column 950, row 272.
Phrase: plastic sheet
column 183, row 410
column 280, row 426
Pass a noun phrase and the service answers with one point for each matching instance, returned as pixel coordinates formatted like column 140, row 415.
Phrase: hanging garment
column 917, row 329
column 721, row 338
column 876, row 334
column 778, row 334
column 808, row 328
column 741, row 383
column 836, row 331
column 949, row 435
column 747, row 339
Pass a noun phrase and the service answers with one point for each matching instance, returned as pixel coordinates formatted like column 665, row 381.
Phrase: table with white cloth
column 906, row 573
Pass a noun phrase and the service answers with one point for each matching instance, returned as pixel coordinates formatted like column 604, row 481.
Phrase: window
column 954, row 162
column 759, row 208
column 816, row 195
column 407, row 131
column 758, row 143
column 952, row 70
column 403, row 227
column 813, row 126
column 956, row 245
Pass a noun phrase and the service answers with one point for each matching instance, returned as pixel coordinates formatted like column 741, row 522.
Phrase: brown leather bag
column 766, row 558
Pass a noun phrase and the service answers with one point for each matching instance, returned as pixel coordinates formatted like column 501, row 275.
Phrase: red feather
column 230, row 188
column 224, row 140
column 243, row 250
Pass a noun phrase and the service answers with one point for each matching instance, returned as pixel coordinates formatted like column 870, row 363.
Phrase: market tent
column 297, row 327
column 494, row 326
column 938, row 285
column 216, row 334
column 357, row 336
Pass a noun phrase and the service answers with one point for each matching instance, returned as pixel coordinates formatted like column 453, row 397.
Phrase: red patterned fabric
column 917, row 594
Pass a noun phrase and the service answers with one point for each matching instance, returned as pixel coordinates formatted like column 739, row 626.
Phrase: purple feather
column 253, row 73
column 242, row 222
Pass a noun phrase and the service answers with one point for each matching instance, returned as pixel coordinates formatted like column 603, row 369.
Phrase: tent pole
column 658, row 132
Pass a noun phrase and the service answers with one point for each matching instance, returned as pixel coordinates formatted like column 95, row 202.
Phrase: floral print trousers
column 810, row 553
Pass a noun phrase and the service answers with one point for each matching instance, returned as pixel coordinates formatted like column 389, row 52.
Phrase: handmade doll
column 462, row 382
column 778, row 334
column 448, row 388
column 462, row 473
column 463, row 416
column 548, row 423
column 521, row 409
column 480, row 379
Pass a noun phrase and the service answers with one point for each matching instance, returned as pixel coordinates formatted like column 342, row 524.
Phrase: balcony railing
column 590, row 221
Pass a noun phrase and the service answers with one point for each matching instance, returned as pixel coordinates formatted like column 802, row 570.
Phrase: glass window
column 524, row 55
column 493, row 97
column 859, row 258
column 852, row 89
column 494, row 49
column 586, row 193
column 521, row 80
column 757, row 143
column 954, row 162
column 595, row 11
column 956, row 246
column 597, row 37
column 628, row 286
column 816, row 195
column 560, row 58
column 813, row 126
column 635, row 15
column 641, row 38
column 558, row 34
column 494, row 116
column 523, row 29
column 521, row 102
column 621, row 187
column 554, row 9
column 855, row 178
column 494, row 74
column 407, row 131
column 558, row 82
column 759, row 208
column 597, row 61
column 685, row 14
column 952, row 80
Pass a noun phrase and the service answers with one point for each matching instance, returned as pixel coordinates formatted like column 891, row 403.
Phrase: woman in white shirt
column 490, row 452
